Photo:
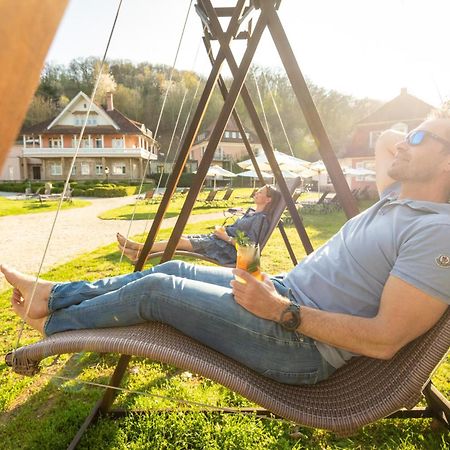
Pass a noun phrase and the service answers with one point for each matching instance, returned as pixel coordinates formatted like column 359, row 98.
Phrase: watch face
column 290, row 319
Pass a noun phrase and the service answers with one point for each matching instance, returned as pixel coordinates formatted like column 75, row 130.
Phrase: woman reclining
column 219, row 245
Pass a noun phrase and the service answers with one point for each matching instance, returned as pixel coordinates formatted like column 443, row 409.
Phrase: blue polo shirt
column 405, row 238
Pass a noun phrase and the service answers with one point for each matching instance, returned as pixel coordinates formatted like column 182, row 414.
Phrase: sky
column 365, row 48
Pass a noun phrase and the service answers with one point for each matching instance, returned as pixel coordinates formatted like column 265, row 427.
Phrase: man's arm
column 385, row 150
column 405, row 313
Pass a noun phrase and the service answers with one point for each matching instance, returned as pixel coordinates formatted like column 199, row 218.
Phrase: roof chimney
column 403, row 91
column 109, row 101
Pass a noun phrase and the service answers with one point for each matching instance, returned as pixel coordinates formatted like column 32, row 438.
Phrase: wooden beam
column 27, row 29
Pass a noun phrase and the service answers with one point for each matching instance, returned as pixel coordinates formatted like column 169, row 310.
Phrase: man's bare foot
column 20, row 310
column 36, row 307
column 128, row 243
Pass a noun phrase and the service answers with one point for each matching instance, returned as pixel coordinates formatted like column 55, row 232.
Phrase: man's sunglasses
column 416, row 137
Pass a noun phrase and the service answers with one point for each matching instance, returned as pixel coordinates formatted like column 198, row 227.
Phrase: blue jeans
column 198, row 301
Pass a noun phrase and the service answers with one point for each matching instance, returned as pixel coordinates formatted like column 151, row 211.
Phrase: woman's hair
column 274, row 195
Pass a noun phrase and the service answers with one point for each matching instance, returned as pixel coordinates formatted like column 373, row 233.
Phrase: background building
column 113, row 146
column 404, row 113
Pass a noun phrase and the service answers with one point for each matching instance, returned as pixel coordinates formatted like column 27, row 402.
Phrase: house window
column 227, row 134
column 55, row 142
column 160, row 169
column 98, row 169
column 234, row 134
column 373, row 137
column 74, row 170
column 98, row 142
column 117, row 143
column 31, row 141
column 56, row 169
column 119, row 169
column 85, row 169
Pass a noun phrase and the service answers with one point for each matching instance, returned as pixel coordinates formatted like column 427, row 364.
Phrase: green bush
column 186, row 179
column 88, row 188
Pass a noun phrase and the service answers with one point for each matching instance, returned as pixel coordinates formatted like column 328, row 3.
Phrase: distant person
column 380, row 282
column 219, row 245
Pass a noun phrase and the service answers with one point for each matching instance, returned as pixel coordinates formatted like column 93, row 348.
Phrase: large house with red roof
column 403, row 113
column 113, row 146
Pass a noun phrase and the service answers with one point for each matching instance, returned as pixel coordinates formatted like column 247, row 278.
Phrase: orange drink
column 248, row 258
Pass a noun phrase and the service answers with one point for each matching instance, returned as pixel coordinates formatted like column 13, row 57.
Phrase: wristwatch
column 290, row 318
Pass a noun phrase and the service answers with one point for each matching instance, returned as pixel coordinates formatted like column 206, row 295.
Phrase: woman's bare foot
column 36, row 307
column 20, row 310
column 128, row 243
column 132, row 255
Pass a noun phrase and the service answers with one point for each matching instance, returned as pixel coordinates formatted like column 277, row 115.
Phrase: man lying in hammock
column 219, row 245
column 380, row 282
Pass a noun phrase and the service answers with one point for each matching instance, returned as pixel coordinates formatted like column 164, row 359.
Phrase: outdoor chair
column 275, row 221
column 361, row 392
column 227, row 195
column 297, row 195
column 315, row 207
column 210, row 198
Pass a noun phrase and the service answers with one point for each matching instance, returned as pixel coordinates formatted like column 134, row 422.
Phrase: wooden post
column 26, row 32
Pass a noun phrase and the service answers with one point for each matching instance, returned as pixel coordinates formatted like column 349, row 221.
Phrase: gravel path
column 77, row 231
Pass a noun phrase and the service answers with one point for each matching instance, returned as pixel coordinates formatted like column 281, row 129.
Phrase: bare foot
column 20, row 310
column 132, row 255
column 36, row 307
column 128, row 243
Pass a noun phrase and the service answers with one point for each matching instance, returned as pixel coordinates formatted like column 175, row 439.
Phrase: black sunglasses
column 416, row 137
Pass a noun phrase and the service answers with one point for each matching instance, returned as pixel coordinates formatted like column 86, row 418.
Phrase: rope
column 262, row 107
column 278, row 114
column 66, row 184
column 173, row 135
column 158, row 124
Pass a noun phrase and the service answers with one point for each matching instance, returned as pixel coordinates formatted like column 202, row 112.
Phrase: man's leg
column 49, row 297
column 208, row 313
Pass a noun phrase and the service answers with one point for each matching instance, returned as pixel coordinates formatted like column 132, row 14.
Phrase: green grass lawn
column 147, row 211
column 10, row 207
column 44, row 412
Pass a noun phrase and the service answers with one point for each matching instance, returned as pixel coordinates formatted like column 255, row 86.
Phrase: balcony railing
column 221, row 157
column 90, row 152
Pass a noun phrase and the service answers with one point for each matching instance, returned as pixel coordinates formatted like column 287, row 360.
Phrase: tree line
column 140, row 91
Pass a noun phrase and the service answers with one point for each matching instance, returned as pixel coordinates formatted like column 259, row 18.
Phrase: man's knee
column 173, row 267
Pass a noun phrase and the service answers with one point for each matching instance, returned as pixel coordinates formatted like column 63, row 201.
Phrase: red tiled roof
column 126, row 126
column 404, row 108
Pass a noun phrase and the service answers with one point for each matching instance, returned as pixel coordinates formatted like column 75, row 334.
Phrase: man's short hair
column 441, row 113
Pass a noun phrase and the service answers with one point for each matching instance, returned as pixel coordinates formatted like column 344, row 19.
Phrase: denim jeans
column 198, row 301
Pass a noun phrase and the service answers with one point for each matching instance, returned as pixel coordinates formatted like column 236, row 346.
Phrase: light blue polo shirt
column 406, row 238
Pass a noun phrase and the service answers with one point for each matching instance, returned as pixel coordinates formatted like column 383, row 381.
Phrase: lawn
column 10, row 207
column 44, row 412
column 147, row 210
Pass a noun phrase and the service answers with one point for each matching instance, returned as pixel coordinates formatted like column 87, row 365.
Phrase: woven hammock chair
column 361, row 392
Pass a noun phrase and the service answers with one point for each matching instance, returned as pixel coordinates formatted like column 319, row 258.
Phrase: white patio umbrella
column 217, row 171
column 286, row 162
column 254, row 175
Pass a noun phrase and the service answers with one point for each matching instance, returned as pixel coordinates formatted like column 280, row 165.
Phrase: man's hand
column 258, row 297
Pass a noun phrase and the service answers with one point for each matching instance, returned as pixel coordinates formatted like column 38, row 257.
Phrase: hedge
column 81, row 188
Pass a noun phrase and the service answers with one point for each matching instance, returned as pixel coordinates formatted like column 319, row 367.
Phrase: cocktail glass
column 248, row 258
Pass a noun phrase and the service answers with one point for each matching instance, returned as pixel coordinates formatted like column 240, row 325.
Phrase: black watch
column 290, row 318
